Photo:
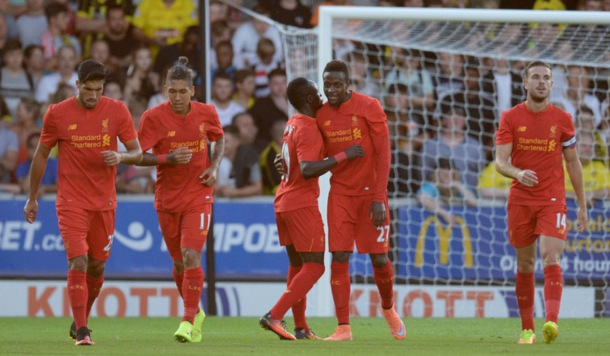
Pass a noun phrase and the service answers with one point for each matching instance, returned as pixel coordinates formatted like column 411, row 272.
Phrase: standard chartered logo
column 137, row 238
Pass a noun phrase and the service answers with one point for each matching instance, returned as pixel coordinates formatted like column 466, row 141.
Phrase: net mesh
column 428, row 73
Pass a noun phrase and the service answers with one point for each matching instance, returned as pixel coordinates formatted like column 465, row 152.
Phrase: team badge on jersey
column 105, row 125
column 354, row 120
column 553, row 131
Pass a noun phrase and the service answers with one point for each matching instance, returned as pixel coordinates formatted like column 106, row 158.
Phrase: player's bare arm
column 132, row 156
column 37, row 169
column 525, row 176
column 181, row 155
column 317, row 168
column 574, row 169
column 209, row 176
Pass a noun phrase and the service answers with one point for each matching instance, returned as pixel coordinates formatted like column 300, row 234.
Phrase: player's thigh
column 521, row 225
column 342, row 219
column 170, row 229
column 302, row 228
column 370, row 238
column 551, row 221
column 73, row 227
column 194, row 227
column 101, row 233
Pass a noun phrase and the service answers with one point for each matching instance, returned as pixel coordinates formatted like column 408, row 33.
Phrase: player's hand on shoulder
column 111, row 158
column 354, row 151
column 527, row 177
column 181, row 155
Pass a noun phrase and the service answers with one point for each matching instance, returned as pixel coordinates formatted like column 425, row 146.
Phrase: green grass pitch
column 242, row 336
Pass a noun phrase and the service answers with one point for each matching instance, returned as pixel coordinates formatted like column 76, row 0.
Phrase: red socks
column 77, row 294
column 94, row 286
column 192, row 287
column 525, row 291
column 340, row 287
column 298, row 308
column 298, row 288
column 384, row 279
column 553, row 286
column 178, row 278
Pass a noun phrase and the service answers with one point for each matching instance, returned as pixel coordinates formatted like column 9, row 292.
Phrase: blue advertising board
column 246, row 242
column 247, row 246
column 477, row 248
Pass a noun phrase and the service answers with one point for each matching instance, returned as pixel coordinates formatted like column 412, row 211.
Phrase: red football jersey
column 178, row 186
column 356, row 121
column 302, row 143
column 538, row 142
column 84, row 179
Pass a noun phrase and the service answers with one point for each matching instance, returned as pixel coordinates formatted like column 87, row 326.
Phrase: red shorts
column 302, row 228
column 186, row 229
column 527, row 222
column 349, row 220
column 86, row 232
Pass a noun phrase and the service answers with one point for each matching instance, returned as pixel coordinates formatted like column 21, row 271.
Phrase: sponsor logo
column 444, row 235
column 357, row 134
column 137, row 238
column 251, row 238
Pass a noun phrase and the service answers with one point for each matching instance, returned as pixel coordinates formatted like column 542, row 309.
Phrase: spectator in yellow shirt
column 163, row 22
column 493, row 185
column 595, row 173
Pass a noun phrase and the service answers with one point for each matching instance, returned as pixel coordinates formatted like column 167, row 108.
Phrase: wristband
column 161, row 159
column 340, row 157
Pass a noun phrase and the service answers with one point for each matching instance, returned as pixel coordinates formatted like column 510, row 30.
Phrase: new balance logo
column 327, row 123
column 171, row 134
column 72, row 127
column 522, row 128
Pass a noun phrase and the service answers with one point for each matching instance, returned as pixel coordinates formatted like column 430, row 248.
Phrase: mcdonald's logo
column 443, row 233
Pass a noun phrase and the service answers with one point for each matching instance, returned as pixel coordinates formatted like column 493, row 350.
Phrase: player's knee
column 96, row 268
column 526, row 265
column 379, row 260
column 191, row 258
column 78, row 263
column 179, row 266
column 550, row 259
column 341, row 256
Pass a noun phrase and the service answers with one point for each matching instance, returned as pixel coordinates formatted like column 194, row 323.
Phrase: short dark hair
column 180, row 72
column 12, row 45
column 223, row 43
column 533, row 64
column 276, row 73
column 238, row 115
column 297, row 92
column 231, row 129
column 337, row 66
column 90, row 69
column 394, row 88
column 29, row 50
column 242, row 74
column 222, row 75
column 584, row 109
column 53, row 9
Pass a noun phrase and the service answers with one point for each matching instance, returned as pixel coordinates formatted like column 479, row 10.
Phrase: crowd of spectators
column 442, row 108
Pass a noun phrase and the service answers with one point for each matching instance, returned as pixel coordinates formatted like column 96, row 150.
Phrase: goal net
column 443, row 77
